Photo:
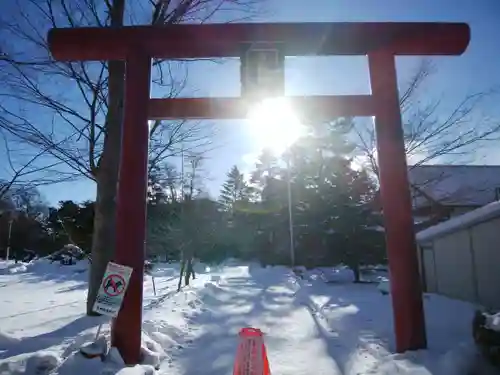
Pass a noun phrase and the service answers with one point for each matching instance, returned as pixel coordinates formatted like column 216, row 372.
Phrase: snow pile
column 43, row 267
column 18, row 268
column 344, row 274
column 152, row 352
column 65, row 359
column 7, row 268
column 461, row 360
column 161, row 269
column 152, row 355
column 42, row 363
column 493, row 322
column 67, row 252
column 137, row 370
column 341, row 274
column 384, row 286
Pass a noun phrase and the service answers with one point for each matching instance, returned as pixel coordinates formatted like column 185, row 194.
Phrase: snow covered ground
column 310, row 326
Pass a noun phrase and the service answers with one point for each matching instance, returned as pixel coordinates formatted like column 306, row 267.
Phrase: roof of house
column 469, row 219
column 454, row 185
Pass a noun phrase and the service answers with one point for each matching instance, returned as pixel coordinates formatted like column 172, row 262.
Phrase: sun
column 274, row 125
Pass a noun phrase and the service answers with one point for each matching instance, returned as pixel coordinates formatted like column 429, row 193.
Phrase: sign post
column 112, row 290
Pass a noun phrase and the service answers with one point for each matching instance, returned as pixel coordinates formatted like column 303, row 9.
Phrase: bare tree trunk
column 189, row 270
column 192, row 269
column 357, row 274
column 183, row 266
column 103, row 241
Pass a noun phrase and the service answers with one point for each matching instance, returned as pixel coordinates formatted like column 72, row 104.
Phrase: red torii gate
column 380, row 41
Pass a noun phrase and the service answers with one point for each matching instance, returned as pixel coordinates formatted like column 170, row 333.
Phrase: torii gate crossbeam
column 381, row 42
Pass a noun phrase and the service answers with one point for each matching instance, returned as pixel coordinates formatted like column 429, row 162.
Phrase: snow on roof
column 488, row 212
column 463, row 185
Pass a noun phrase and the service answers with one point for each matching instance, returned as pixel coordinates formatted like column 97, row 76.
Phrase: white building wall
column 460, row 258
column 486, row 245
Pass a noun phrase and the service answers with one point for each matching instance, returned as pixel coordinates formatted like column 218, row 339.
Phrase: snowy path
column 309, row 327
column 244, row 298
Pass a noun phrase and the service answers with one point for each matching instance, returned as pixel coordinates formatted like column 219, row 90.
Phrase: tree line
column 334, row 216
column 37, row 229
column 332, row 204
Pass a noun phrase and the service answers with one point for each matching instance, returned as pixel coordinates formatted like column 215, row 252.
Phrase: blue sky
column 478, row 69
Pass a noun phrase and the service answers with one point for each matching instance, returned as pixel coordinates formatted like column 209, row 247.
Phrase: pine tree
column 156, row 185
column 234, row 191
column 238, row 213
column 266, row 168
column 332, row 218
column 335, row 198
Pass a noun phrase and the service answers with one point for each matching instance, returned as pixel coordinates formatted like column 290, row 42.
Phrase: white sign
column 113, row 287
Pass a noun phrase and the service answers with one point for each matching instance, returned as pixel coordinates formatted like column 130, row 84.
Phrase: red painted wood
column 322, row 108
column 224, row 40
column 131, row 205
column 406, row 293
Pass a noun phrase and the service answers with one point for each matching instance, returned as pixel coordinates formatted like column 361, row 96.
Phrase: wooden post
column 406, row 293
column 131, row 204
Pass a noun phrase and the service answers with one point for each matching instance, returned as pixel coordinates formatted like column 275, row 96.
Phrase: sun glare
column 274, row 124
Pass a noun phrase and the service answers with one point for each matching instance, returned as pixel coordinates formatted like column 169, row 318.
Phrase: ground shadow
column 236, row 303
column 159, row 300
column 356, row 320
column 55, row 273
column 46, row 340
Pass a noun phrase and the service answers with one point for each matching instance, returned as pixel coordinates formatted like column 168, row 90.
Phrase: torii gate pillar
column 380, row 41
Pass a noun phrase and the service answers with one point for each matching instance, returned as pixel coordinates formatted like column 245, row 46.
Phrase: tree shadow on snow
column 158, row 300
column 72, row 288
column 356, row 323
column 240, row 302
column 343, row 337
column 64, row 334
column 56, row 274
column 37, row 311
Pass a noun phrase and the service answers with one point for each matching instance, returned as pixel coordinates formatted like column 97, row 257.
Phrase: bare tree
column 25, row 168
column 74, row 110
column 430, row 130
column 192, row 186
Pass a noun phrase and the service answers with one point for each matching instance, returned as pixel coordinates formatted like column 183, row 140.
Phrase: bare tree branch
column 25, row 169
column 430, row 131
column 35, row 81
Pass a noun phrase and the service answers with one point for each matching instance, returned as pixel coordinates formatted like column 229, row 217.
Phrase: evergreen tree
column 335, row 197
column 72, row 223
column 332, row 218
column 266, row 168
column 163, row 183
column 234, row 191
